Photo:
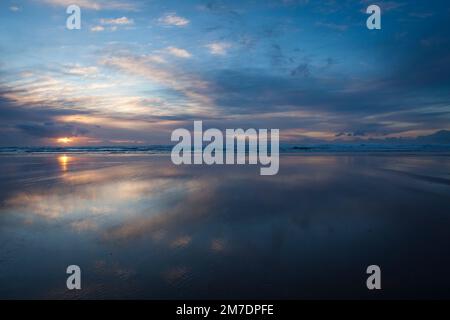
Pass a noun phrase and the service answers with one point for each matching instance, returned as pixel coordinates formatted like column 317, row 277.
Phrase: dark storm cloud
column 301, row 70
column 25, row 124
column 221, row 7
column 253, row 91
column 11, row 112
column 51, row 130
column 420, row 59
column 411, row 88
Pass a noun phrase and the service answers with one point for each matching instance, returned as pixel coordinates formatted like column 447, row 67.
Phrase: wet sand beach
column 141, row 227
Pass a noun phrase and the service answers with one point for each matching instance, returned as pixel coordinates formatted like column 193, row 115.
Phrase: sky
column 139, row 69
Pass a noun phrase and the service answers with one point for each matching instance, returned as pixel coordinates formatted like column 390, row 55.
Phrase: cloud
column 14, row 8
column 171, row 19
column 156, row 58
column 24, row 125
column 333, row 26
column 302, row 69
column 117, row 21
column 113, row 24
column 98, row 29
column 95, row 4
column 385, row 6
column 82, row 71
column 218, row 48
column 328, row 105
column 99, row 95
column 177, row 52
column 193, row 89
column 52, row 130
column 283, row 73
column 295, row 2
column 421, row 15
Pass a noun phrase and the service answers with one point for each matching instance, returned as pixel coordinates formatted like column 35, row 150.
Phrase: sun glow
column 64, row 140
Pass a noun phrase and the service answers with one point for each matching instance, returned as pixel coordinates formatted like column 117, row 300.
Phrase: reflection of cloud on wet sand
column 218, row 197
column 84, row 225
column 154, row 199
column 181, row 242
column 113, row 269
column 86, row 198
column 194, row 195
column 176, row 276
column 143, row 231
column 218, row 245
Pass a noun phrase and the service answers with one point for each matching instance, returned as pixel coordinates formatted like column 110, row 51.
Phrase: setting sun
column 64, row 140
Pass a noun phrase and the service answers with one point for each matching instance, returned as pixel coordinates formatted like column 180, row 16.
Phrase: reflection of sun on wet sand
column 64, row 162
